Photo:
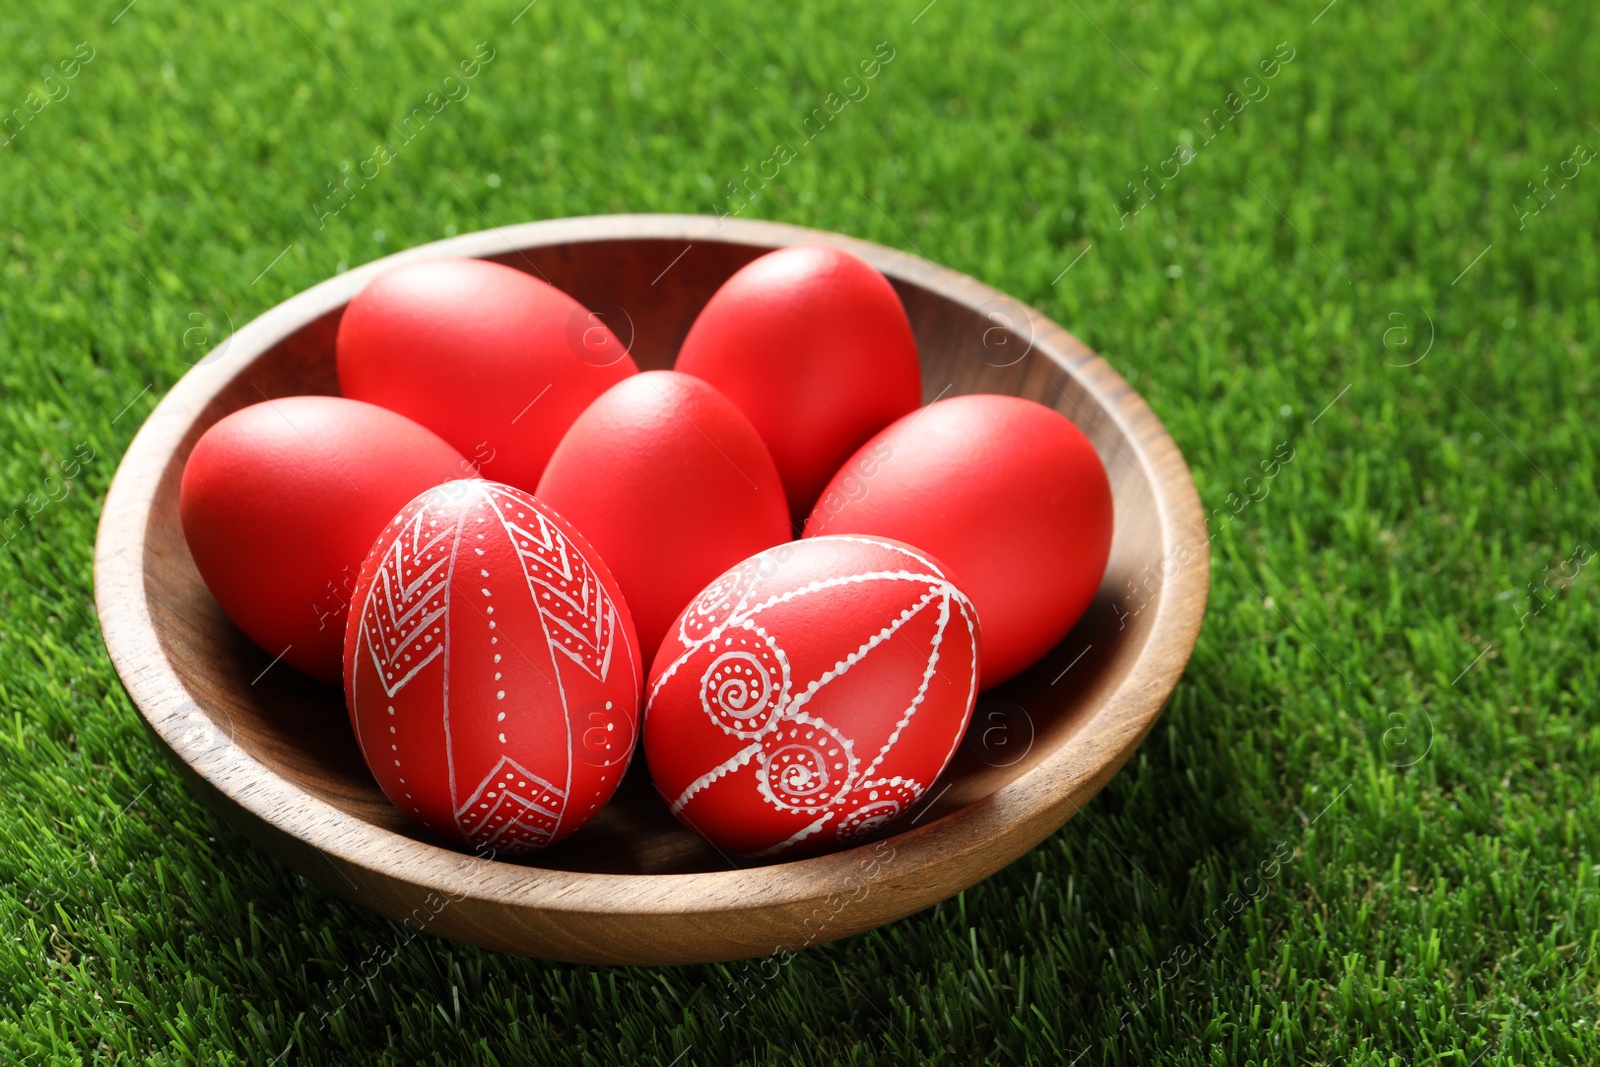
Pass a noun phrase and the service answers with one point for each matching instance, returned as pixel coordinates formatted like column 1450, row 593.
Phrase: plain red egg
column 814, row 346
column 493, row 360
column 811, row 695
column 1007, row 492
column 280, row 502
column 491, row 669
column 672, row 485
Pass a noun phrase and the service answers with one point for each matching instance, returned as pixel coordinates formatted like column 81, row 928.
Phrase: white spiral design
column 878, row 803
column 713, row 607
column 743, row 687
column 868, row 819
column 805, row 766
column 739, row 687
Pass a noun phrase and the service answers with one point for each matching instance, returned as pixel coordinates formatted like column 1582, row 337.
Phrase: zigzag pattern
column 402, row 617
column 578, row 615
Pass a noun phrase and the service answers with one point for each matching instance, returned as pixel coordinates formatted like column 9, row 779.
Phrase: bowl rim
column 993, row 831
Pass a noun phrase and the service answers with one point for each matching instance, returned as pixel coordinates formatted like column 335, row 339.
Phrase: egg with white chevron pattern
column 809, row 697
column 491, row 669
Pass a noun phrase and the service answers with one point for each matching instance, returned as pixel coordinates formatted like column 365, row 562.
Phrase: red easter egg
column 815, row 348
column 491, row 669
column 280, row 502
column 672, row 485
column 493, row 360
column 1009, row 493
column 810, row 696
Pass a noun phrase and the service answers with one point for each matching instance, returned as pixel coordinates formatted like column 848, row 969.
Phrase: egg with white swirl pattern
column 810, row 696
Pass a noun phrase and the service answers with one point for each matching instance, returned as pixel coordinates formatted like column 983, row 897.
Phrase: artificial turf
column 1363, row 832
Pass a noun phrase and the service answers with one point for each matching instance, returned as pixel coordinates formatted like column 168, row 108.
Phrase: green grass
column 1392, row 831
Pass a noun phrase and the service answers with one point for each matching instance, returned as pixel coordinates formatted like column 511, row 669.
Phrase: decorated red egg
column 493, row 360
column 811, row 695
column 671, row 483
column 491, row 669
column 815, row 347
column 1007, row 492
column 280, row 502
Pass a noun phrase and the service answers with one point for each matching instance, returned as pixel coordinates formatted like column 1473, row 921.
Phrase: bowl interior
column 649, row 292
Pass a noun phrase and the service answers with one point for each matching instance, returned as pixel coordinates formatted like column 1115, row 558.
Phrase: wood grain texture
column 274, row 752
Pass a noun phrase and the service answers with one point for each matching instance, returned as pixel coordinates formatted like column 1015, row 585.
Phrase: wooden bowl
column 274, row 753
